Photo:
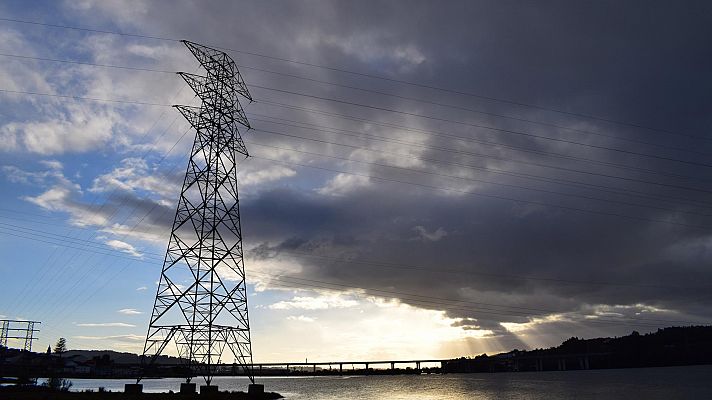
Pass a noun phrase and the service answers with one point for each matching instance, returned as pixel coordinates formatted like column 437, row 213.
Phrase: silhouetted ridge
column 665, row 347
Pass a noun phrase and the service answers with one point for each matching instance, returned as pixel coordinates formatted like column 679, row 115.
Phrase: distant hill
column 117, row 357
column 673, row 346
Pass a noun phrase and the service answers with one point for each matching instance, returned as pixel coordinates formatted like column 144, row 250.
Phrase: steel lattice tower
column 201, row 302
column 11, row 329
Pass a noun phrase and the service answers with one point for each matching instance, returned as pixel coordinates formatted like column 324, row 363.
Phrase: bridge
column 366, row 364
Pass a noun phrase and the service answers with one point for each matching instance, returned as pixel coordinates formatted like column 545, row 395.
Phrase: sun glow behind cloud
column 360, row 327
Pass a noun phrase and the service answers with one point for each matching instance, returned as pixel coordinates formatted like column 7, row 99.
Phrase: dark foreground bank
column 44, row 393
column 610, row 384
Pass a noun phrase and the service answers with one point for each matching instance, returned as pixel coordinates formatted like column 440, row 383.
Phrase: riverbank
column 44, row 393
column 610, row 384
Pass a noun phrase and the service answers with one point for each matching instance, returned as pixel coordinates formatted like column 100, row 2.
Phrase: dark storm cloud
column 643, row 62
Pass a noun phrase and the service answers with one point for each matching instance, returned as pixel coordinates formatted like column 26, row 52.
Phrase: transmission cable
column 523, row 162
column 584, row 172
column 471, row 179
column 513, row 310
column 507, row 131
column 474, row 140
column 373, row 76
column 448, row 150
column 452, row 106
column 383, row 93
column 509, row 309
column 497, row 197
column 471, row 110
column 156, row 257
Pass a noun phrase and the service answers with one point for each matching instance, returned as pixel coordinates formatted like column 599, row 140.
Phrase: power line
column 88, row 29
column 374, row 76
column 65, row 96
column 560, row 168
column 469, row 139
column 474, row 179
column 456, row 107
column 23, row 57
column 76, row 283
column 57, row 272
column 432, row 300
column 92, row 247
column 507, row 131
column 515, row 161
column 385, row 264
column 498, row 129
column 584, row 172
column 46, row 223
column 145, row 153
column 120, row 237
column 59, row 242
column 529, row 176
column 485, row 195
column 387, row 94
column 132, row 229
column 404, row 295
column 72, row 240
column 453, row 151
column 117, row 33
column 377, row 290
column 469, row 94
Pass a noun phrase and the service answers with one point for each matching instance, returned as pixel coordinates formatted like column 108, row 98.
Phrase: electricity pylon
column 201, row 302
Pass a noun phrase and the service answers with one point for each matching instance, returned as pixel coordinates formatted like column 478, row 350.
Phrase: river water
column 644, row 383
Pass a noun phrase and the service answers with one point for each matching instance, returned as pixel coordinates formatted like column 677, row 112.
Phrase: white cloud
column 14, row 74
column 124, row 247
column 45, row 125
column 141, row 288
column 17, row 175
column 149, row 233
column 426, row 236
column 314, row 303
column 129, row 311
column 73, row 128
column 61, row 197
column 131, row 338
column 519, row 327
column 370, row 47
column 375, row 329
column 107, row 325
column 301, row 318
column 53, row 199
column 52, row 164
column 342, row 184
column 265, row 175
column 134, row 174
column 264, row 272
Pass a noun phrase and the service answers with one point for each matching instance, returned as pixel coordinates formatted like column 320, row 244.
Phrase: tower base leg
column 133, row 388
column 255, row 389
column 187, row 388
column 208, row 389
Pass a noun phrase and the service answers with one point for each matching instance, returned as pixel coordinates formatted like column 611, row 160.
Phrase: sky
column 426, row 180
